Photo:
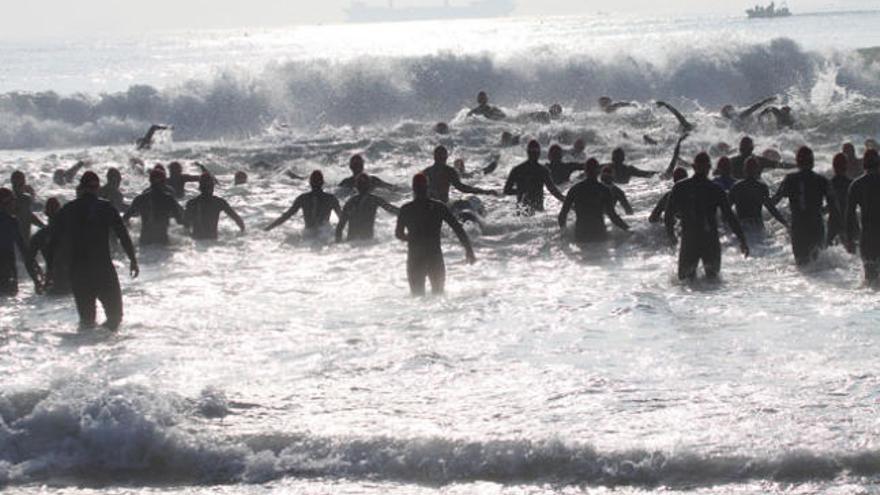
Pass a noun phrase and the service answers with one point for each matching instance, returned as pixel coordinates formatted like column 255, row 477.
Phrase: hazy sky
column 63, row 17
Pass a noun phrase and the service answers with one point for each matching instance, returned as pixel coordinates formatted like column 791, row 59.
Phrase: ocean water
column 278, row 363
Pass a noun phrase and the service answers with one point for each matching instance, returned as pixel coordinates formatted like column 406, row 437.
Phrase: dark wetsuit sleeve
column 678, row 116
column 121, row 233
column 377, row 182
column 729, row 217
column 453, row 222
column 676, row 154
column 669, row 215
column 134, row 209
column 624, row 201
column 768, row 203
column 853, row 202
column 566, row 208
column 754, row 108
column 657, row 212
column 385, row 205
column 611, row 214
column 455, row 180
column 400, row 229
column 227, row 208
column 343, row 219
column 548, row 182
column 510, row 185
column 782, row 192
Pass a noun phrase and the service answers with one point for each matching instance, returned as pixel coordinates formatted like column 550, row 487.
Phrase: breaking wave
column 381, row 90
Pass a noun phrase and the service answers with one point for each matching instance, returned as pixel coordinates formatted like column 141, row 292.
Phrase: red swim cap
column 839, row 164
column 420, row 182
column 679, row 174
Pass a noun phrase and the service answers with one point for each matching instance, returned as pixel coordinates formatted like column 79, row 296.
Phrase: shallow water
column 273, row 362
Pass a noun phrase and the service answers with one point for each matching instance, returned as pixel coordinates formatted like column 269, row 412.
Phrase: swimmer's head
column 52, row 207
column 555, row 153
column 533, row 150
column 592, row 168
column 206, row 184
column 871, row 159
column 362, row 183
column 746, row 146
column 7, row 200
column 839, row 164
column 175, row 168
column 604, row 102
column 114, row 178
column 157, row 177
column 482, row 98
column 441, row 128
column 17, row 179
column 458, row 165
column 59, row 177
column 580, row 144
column 241, row 177
column 786, row 110
column 160, row 167
column 849, row 151
column 679, row 174
column 728, row 111
column 702, row 164
column 618, row 156
column 316, row 180
column 441, row 154
column 871, row 144
column 89, row 183
column 420, row 185
column 555, row 110
column 723, row 167
column 356, row 165
column 805, row 159
column 506, row 138
column 607, row 175
column 753, row 168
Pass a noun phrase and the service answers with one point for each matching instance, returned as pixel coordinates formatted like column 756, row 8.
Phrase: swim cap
column 679, row 174
column 753, row 167
column 441, row 153
column 839, row 164
column 420, row 183
column 241, row 177
column 206, row 180
column 618, row 155
column 702, row 163
column 90, row 179
column 356, row 162
column 113, row 173
column 157, row 175
column 17, row 177
column 555, row 150
column 316, row 179
column 723, row 165
column 592, row 168
column 805, row 157
column 175, row 167
column 441, row 128
column 6, row 195
column 872, row 159
column 534, row 145
column 52, row 207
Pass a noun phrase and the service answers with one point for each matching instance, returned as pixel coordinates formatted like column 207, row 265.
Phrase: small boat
column 768, row 12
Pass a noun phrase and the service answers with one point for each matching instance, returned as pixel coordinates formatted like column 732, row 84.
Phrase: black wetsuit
column 726, row 182
column 24, row 212
column 10, row 239
column 836, row 227
column 419, row 223
column 375, row 182
column 527, row 181
column 488, row 111
column 659, row 208
column 806, row 191
column 592, row 202
column 61, row 265
column 623, row 173
column 864, row 195
column 696, row 201
column 156, row 207
column 749, row 198
column 561, row 172
column 202, row 214
column 442, row 177
column 177, row 183
column 359, row 213
column 85, row 225
column 316, row 206
column 738, row 165
column 618, row 196
column 114, row 196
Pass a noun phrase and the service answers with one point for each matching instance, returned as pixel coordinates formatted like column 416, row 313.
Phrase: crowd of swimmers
column 75, row 242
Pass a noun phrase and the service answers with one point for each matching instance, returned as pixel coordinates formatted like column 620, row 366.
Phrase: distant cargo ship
column 769, row 12
column 477, row 9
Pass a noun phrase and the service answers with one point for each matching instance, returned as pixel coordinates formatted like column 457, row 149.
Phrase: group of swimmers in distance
column 76, row 243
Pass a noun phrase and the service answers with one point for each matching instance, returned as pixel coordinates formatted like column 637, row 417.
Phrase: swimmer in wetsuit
column 740, row 118
column 62, row 177
column 419, row 225
column 177, row 180
column 592, row 202
column 695, row 202
column 678, row 175
column 156, row 207
column 316, row 205
column 864, row 198
column 528, row 180
column 622, row 172
column 484, row 109
column 560, row 171
column 749, row 198
column 746, row 151
column 84, row 225
column 841, row 184
column 854, row 165
column 359, row 212
column 724, row 174
column 607, row 105
column 10, row 239
column 40, row 246
column 806, row 191
column 110, row 191
column 617, row 194
column 24, row 202
column 356, row 165
column 686, row 126
column 783, row 116
column 146, row 142
column 202, row 213
column 441, row 177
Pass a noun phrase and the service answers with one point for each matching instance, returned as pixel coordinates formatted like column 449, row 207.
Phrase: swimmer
column 316, row 205
column 864, row 198
column 419, row 225
column 750, row 196
column 607, row 105
column 110, row 191
column 62, row 177
column 10, row 239
column 24, row 201
column 724, row 174
column 806, row 191
column 202, row 213
column 177, row 180
column 156, row 207
column 678, row 174
column 729, row 112
column 617, row 194
column 683, row 122
column 241, row 178
column 841, row 184
column 359, row 212
column 696, row 201
column 441, row 177
column 441, row 128
column 592, row 202
column 84, row 226
column 483, row 108
column 356, row 165
column 783, row 116
column 746, row 151
column 560, row 171
column 528, row 180
column 622, row 172
column 146, row 142
column 854, row 164
column 40, row 246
